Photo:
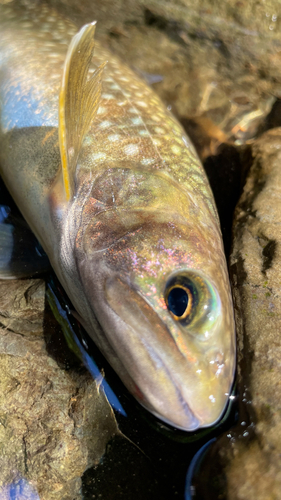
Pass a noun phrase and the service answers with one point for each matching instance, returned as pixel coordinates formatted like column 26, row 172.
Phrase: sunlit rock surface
column 54, row 423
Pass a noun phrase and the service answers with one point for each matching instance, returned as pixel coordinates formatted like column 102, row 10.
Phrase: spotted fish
column 115, row 193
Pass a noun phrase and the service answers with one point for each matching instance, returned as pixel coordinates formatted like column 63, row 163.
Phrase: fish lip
column 184, row 405
column 194, row 421
column 148, row 407
column 172, row 424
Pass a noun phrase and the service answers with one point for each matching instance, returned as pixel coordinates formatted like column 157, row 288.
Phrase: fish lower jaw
column 185, row 428
column 190, row 427
column 178, row 413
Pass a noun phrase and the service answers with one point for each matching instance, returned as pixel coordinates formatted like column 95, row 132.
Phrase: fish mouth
column 138, row 343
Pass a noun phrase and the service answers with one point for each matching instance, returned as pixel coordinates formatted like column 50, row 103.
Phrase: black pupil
column 177, row 301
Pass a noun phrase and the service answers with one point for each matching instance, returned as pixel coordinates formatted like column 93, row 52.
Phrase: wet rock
column 24, row 315
column 254, row 467
column 54, row 423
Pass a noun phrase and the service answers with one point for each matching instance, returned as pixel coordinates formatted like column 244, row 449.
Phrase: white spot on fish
column 105, row 124
column 87, row 141
column 131, row 149
column 159, row 130
column 212, row 399
column 176, row 150
column 156, row 142
column 108, row 96
column 114, row 137
column 142, row 104
column 147, row 161
column 101, row 110
column 98, row 156
column 137, row 121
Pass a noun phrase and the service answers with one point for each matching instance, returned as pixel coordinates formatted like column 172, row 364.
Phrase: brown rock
column 25, row 314
column 54, row 423
column 254, row 469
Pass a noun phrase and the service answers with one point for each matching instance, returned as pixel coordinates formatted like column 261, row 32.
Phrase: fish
column 115, row 193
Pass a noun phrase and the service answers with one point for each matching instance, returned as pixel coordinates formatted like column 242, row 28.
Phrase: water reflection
column 19, row 490
column 193, row 467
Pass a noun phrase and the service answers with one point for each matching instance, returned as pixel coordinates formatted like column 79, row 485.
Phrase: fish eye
column 179, row 301
column 192, row 301
column 181, row 297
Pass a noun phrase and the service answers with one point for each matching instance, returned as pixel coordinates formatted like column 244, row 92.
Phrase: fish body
column 136, row 244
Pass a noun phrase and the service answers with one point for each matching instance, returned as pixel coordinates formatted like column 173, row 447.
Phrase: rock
column 54, row 423
column 253, row 462
column 256, row 269
column 25, row 313
column 245, row 462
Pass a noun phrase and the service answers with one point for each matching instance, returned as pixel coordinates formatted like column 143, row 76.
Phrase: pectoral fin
column 78, row 103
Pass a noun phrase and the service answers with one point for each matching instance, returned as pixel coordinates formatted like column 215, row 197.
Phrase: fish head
column 160, row 292
column 167, row 322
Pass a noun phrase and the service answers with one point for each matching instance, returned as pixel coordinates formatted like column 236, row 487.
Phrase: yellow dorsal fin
column 78, row 102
